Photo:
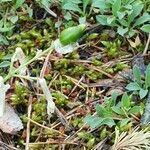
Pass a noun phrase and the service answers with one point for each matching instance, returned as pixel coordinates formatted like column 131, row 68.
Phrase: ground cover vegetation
column 78, row 74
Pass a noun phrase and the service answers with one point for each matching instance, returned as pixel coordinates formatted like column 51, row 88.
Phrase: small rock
column 10, row 121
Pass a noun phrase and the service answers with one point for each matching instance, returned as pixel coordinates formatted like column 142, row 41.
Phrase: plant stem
column 13, row 73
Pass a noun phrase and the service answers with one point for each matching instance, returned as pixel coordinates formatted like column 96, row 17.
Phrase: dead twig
column 53, row 142
column 45, row 127
column 28, row 124
column 8, row 147
column 147, row 45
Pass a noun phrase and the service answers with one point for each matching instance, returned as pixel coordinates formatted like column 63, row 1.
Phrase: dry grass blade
column 133, row 140
column 28, row 124
column 147, row 45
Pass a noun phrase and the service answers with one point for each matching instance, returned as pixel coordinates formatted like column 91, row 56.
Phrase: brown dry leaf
column 132, row 43
column 10, row 122
column 136, row 43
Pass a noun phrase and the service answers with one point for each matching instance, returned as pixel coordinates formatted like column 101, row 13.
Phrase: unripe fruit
column 72, row 34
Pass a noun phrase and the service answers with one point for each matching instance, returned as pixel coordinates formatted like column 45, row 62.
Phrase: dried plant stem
column 45, row 127
column 8, row 147
column 28, row 124
column 147, row 45
column 53, row 142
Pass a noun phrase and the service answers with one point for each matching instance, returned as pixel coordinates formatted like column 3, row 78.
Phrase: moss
column 96, row 62
column 120, row 66
column 30, row 41
column 112, row 49
column 77, row 70
column 77, row 122
column 20, row 94
column 39, row 110
column 60, row 99
column 93, row 75
column 63, row 63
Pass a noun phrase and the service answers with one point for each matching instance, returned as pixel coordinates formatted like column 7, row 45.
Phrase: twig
column 28, row 124
column 70, row 114
column 147, row 45
column 45, row 127
column 99, row 70
column 62, row 118
column 76, row 82
column 53, row 142
column 8, row 146
column 51, row 12
column 45, row 65
column 76, row 85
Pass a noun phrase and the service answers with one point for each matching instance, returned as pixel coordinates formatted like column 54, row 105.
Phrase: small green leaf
column 29, row 10
column 85, row 4
column 113, row 99
column 102, row 19
column 122, row 31
column 123, row 122
column 142, row 19
column 19, row 3
column 133, row 86
column 123, row 22
column 136, row 10
column 101, row 4
column 120, row 14
column 146, row 28
column 137, row 74
column 3, row 40
column 108, row 121
column 134, row 110
column 116, row 7
column 143, row 93
column 6, row 29
column 126, row 101
column 101, row 111
column 4, row 64
column 110, row 19
column 82, row 20
column 131, row 33
column 72, row 7
column 147, row 77
column 93, row 121
column 14, row 19
column 117, row 110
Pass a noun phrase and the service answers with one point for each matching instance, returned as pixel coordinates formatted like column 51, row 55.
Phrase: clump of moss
column 73, row 55
column 39, row 110
column 96, row 61
column 93, row 75
column 112, row 48
column 77, row 122
column 31, row 40
column 88, row 137
column 60, row 99
column 77, row 70
column 120, row 67
column 20, row 94
column 61, row 64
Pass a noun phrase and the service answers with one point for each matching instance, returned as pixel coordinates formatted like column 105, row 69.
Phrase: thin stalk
column 13, row 72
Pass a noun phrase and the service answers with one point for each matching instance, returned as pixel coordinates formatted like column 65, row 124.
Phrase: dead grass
column 134, row 140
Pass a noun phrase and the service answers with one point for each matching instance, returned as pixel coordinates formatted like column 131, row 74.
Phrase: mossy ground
column 75, row 83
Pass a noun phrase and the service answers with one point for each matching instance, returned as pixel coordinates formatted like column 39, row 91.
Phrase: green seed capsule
column 72, row 34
